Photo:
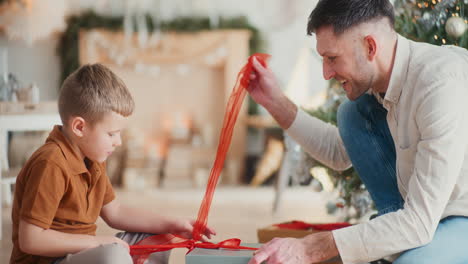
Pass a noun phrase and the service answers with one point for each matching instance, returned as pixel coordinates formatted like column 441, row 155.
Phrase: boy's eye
column 111, row 134
column 331, row 58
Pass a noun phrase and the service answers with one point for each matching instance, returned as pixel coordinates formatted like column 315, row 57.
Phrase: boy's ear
column 78, row 125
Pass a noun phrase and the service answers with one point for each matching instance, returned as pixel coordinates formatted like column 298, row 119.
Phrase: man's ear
column 371, row 47
column 78, row 126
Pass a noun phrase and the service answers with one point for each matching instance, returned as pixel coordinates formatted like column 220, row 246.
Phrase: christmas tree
column 439, row 22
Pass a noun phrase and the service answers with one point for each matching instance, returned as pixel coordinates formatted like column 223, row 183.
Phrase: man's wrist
column 333, row 247
column 283, row 110
column 325, row 242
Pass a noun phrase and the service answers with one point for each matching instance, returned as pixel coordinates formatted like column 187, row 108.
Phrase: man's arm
column 35, row 240
column 321, row 140
column 130, row 219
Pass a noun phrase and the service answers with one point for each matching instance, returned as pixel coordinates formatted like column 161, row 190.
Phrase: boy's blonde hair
column 92, row 91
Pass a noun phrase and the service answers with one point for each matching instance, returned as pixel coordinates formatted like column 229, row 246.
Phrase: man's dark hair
column 344, row 14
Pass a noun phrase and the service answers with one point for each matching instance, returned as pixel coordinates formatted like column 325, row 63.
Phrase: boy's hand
column 185, row 227
column 103, row 240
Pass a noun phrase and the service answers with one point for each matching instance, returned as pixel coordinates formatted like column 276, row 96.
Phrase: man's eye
column 111, row 134
column 331, row 58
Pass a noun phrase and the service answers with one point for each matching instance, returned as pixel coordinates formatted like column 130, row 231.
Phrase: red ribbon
column 159, row 243
column 230, row 117
column 299, row 225
column 167, row 242
column 190, row 244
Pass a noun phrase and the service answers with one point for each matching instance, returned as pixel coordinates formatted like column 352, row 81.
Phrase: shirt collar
column 399, row 72
column 69, row 150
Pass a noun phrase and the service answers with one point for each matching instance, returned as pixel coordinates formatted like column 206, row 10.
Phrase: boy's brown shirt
column 55, row 190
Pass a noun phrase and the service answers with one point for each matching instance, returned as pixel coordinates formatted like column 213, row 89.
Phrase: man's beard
column 360, row 88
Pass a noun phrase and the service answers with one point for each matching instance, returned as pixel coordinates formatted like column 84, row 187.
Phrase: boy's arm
column 125, row 218
column 35, row 240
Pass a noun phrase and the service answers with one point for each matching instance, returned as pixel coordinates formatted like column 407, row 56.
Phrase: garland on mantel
column 68, row 51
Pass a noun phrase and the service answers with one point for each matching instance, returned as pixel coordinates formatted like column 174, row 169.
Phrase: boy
column 63, row 187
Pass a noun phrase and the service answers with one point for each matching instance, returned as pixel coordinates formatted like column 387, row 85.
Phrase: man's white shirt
column 427, row 103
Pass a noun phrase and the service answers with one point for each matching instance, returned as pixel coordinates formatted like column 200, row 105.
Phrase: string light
column 436, row 37
column 444, row 41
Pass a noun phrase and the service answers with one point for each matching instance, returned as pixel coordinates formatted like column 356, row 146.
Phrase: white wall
column 281, row 22
column 35, row 64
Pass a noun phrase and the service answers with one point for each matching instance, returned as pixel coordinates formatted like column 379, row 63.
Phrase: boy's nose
column 118, row 141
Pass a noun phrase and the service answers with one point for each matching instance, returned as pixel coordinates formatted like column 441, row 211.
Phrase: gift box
column 268, row 233
column 296, row 229
column 225, row 256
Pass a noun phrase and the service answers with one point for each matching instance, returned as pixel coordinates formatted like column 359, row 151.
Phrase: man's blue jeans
column 364, row 130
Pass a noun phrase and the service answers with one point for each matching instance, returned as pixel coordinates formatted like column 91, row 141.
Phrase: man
column 404, row 129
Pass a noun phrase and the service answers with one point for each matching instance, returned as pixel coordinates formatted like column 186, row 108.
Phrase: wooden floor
column 236, row 211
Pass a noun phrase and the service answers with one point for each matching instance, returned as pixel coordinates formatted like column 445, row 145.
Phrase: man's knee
column 428, row 255
column 407, row 260
column 344, row 110
column 349, row 118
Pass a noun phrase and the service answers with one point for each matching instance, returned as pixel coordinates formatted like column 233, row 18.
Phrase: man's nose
column 328, row 72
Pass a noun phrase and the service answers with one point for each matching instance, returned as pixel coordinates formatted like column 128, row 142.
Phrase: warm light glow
column 157, row 147
column 321, row 175
column 29, row 20
column 301, row 88
column 178, row 124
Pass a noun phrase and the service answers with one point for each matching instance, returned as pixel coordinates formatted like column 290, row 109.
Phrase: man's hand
column 263, row 87
column 185, row 227
column 313, row 248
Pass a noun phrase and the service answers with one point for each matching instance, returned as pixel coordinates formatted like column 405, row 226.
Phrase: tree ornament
column 455, row 27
